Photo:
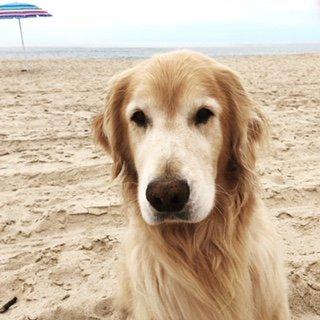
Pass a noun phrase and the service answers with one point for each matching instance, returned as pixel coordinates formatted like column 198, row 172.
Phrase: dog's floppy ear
column 247, row 122
column 248, row 129
column 258, row 127
column 98, row 132
column 109, row 128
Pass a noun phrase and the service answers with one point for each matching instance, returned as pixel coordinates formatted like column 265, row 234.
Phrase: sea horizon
column 136, row 52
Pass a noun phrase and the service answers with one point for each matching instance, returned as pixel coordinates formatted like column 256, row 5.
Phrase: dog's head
column 181, row 128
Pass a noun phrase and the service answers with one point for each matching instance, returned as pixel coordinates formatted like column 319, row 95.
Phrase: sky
column 101, row 23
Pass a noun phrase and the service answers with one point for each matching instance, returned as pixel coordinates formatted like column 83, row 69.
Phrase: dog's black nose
column 168, row 195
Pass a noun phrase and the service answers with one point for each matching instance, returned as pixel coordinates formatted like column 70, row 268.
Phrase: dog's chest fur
column 166, row 287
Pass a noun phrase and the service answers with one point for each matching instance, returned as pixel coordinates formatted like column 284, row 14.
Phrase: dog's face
column 175, row 139
column 169, row 122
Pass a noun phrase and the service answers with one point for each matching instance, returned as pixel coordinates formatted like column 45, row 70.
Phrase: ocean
column 136, row 53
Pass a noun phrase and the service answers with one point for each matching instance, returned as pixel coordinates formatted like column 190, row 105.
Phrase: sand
column 60, row 215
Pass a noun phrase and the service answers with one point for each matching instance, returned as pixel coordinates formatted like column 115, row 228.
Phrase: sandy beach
column 60, row 214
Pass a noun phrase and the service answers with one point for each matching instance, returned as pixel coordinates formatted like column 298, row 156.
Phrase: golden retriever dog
column 183, row 134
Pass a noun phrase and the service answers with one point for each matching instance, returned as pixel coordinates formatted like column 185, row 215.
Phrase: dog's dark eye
column 203, row 115
column 140, row 119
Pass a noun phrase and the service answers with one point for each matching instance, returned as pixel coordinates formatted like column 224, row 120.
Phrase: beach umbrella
column 17, row 10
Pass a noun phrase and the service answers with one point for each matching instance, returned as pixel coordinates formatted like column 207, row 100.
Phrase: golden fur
column 226, row 266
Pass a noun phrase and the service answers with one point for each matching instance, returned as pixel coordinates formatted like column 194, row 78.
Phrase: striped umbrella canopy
column 21, row 10
column 17, row 10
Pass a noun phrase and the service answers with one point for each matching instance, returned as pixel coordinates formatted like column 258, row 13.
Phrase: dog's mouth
column 172, row 217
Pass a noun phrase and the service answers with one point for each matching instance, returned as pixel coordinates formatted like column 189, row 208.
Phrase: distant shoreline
column 13, row 53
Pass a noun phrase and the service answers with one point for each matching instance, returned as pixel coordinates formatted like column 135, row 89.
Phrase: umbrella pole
column 24, row 49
